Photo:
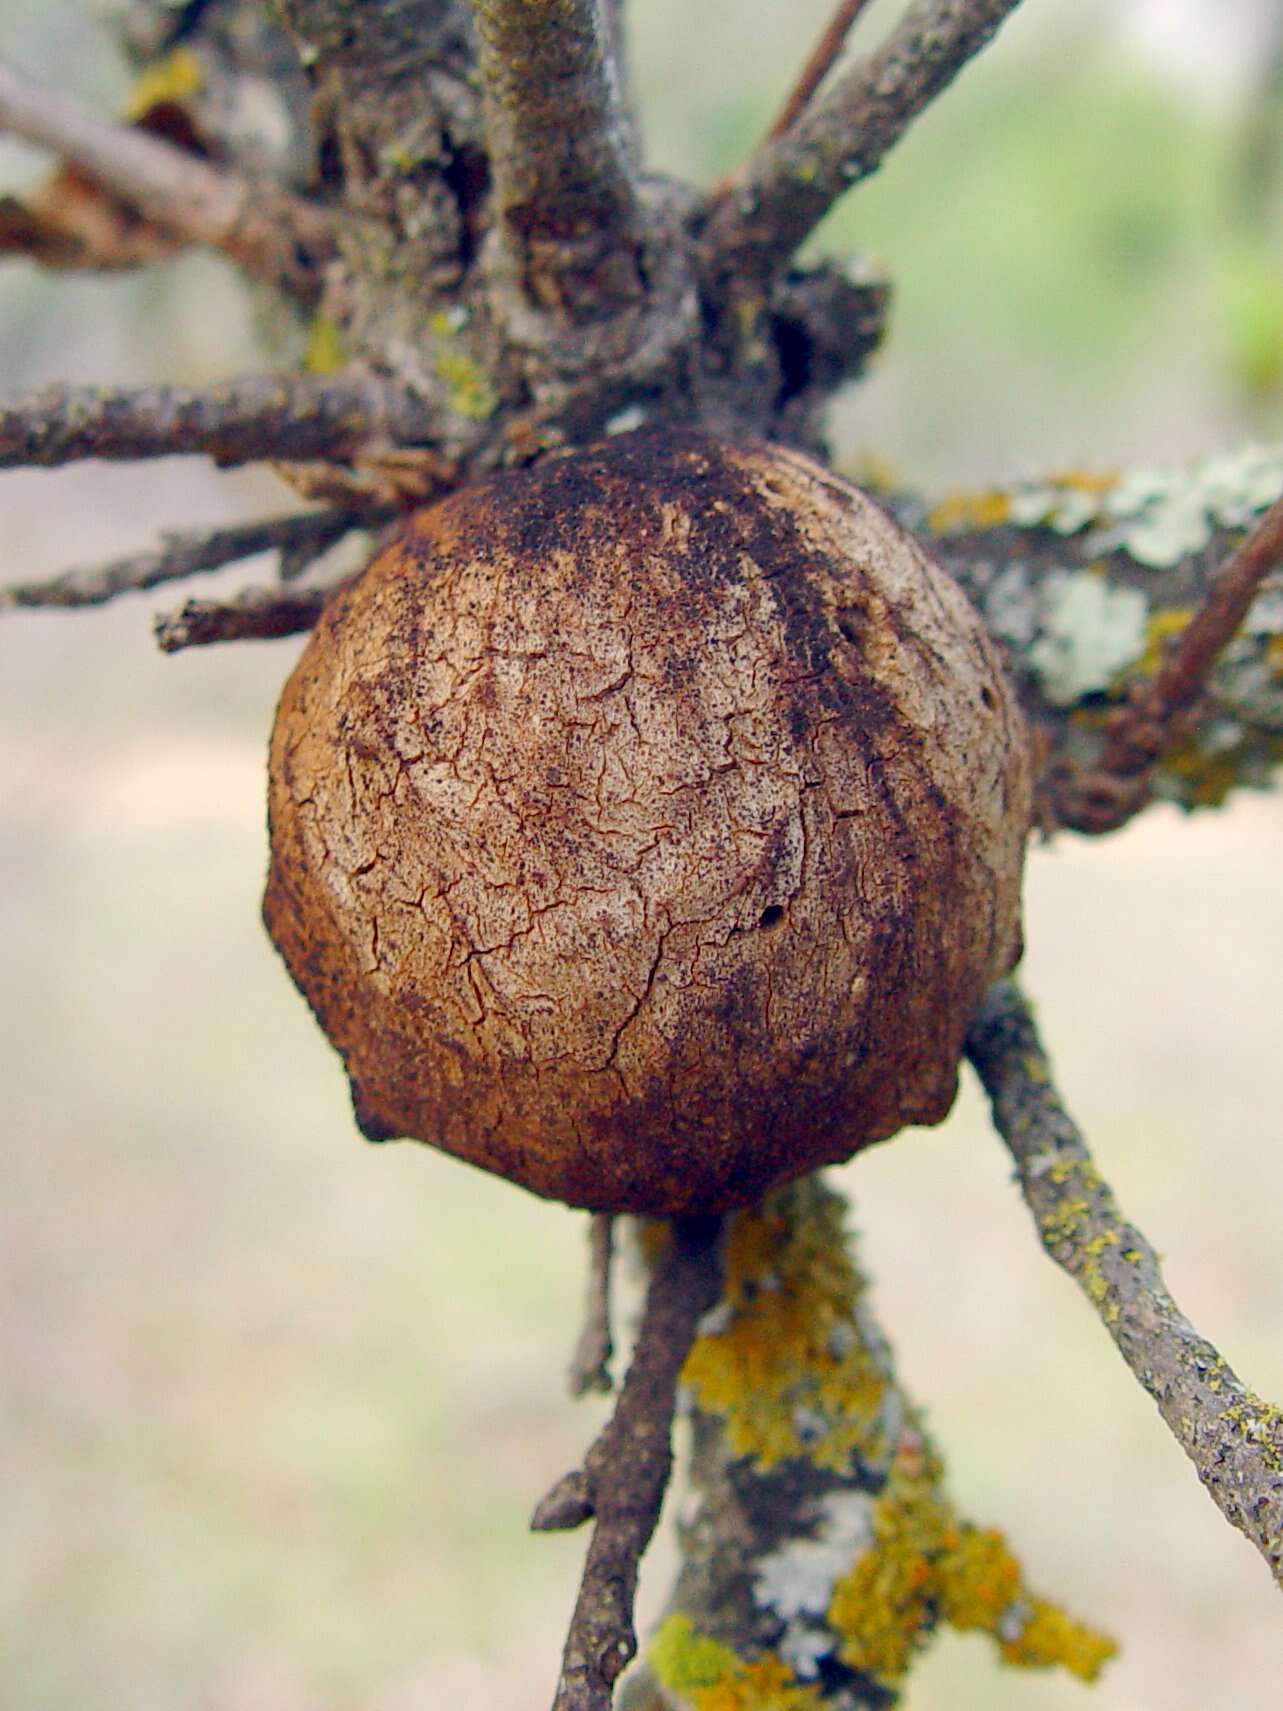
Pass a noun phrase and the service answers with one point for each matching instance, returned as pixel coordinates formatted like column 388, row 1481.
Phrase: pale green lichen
column 1090, row 631
column 1157, row 515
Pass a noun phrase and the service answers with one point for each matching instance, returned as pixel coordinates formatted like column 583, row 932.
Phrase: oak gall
column 647, row 825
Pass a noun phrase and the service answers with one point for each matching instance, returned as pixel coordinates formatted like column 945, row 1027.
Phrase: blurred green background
column 274, row 1405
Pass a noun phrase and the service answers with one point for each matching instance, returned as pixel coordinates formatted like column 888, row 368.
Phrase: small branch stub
column 259, row 614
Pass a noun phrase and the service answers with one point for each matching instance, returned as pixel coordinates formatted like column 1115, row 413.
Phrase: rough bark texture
column 282, row 416
column 647, row 826
column 565, row 191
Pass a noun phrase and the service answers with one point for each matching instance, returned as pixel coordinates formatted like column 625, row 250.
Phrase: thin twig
column 281, row 416
column 1107, row 794
column 259, row 614
column 266, row 230
column 1233, row 1438
column 559, row 153
column 300, row 538
column 69, row 223
column 823, row 57
column 626, row 1471
column 590, row 1364
column 757, row 224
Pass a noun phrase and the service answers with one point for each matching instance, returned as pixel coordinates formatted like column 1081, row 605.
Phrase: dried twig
column 1107, row 794
column 69, row 222
column 1233, row 1438
column 757, row 224
column 238, row 421
column 259, row 614
column 559, row 152
column 299, row 538
column 626, row 1470
column 266, row 230
column 823, row 57
column 590, row 1364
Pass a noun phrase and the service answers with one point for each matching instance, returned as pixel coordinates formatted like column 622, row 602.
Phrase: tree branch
column 1234, row 1440
column 259, row 614
column 590, row 1365
column 758, row 223
column 285, row 417
column 302, row 537
column 559, row 154
column 821, row 1548
column 823, row 58
column 1086, row 577
column 267, row 231
column 625, row 1473
column 1107, row 794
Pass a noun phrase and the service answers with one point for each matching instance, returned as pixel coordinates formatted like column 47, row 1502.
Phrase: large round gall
column 647, row 825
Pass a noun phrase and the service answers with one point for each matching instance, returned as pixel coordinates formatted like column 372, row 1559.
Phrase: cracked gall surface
column 646, row 825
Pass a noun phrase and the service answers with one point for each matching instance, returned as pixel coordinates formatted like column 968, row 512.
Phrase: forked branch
column 278, row 416
column 267, row 231
column 1233, row 1438
column 758, row 223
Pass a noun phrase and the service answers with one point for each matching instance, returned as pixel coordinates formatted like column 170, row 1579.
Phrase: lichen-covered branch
column 565, row 196
column 821, row 1548
column 1233, row 1438
column 277, row 416
column 259, row 614
column 625, row 1473
column 1088, row 578
column 266, row 230
column 1104, row 796
column 306, row 535
column 760, row 221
